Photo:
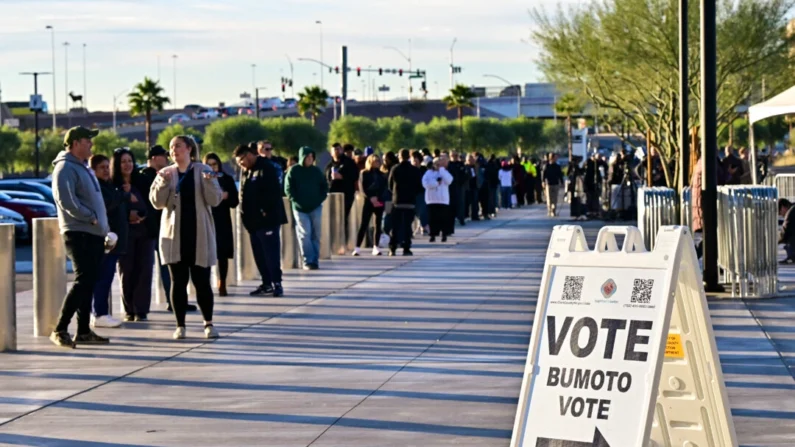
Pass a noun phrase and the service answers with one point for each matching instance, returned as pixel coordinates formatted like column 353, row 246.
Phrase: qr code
column 641, row 291
column 572, row 288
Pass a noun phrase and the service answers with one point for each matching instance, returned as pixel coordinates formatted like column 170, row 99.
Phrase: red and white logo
column 609, row 288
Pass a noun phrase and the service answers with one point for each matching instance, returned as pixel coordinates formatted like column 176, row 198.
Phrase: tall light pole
column 452, row 64
column 292, row 87
column 408, row 59
column 36, row 109
column 518, row 93
column 115, row 108
column 174, row 59
column 253, row 76
column 66, row 75
column 320, row 24
column 85, row 89
column 54, row 94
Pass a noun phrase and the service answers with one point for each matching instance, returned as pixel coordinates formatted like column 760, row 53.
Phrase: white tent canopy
column 781, row 104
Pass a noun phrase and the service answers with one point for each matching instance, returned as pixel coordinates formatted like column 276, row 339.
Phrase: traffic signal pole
column 344, row 90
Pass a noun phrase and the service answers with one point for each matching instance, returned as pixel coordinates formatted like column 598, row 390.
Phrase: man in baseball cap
column 78, row 133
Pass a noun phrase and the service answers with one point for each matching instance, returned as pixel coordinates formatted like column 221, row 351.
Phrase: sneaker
column 105, row 321
column 307, row 267
column 277, row 290
column 407, row 252
column 313, row 266
column 90, row 339
column 355, row 252
column 141, row 318
column 444, row 238
column 392, row 252
column 432, row 239
column 62, row 339
column 264, row 289
column 128, row 318
column 179, row 334
column 191, row 308
column 210, row 332
column 376, row 251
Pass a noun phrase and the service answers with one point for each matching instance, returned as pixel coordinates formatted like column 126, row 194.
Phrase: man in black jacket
column 262, row 213
column 458, row 188
column 553, row 180
column 787, row 234
column 342, row 176
column 405, row 183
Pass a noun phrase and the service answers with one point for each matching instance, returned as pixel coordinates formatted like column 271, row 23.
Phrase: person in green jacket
column 306, row 187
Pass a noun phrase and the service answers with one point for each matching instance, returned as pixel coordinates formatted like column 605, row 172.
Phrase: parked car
column 24, row 195
column 29, row 209
column 179, row 118
column 206, row 114
column 21, row 228
column 29, row 185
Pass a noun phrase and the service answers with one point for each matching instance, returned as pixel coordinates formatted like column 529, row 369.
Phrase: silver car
column 21, row 229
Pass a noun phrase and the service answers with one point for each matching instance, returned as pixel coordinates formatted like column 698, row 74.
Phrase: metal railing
column 748, row 239
column 785, row 183
column 686, row 208
column 656, row 207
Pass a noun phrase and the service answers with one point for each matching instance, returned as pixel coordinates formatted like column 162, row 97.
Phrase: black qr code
column 572, row 288
column 641, row 291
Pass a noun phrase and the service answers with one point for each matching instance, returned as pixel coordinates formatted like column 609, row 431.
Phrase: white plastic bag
column 384, row 241
column 514, row 201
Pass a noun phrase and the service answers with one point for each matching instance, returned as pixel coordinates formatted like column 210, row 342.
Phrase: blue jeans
column 107, row 271
column 505, row 197
column 307, row 226
column 266, row 246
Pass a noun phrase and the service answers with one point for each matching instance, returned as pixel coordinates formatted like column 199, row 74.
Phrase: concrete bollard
column 8, row 295
column 337, row 227
column 160, row 290
column 289, row 239
column 325, row 230
column 231, row 277
column 49, row 275
column 246, row 266
column 354, row 220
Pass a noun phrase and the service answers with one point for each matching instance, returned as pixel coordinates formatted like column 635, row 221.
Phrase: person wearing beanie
column 306, row 187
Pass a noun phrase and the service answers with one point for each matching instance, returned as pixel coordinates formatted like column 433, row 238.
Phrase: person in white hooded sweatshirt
column 436, row 182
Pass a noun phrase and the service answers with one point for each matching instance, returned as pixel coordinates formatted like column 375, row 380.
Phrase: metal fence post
column 49, row 275
column 8, row 296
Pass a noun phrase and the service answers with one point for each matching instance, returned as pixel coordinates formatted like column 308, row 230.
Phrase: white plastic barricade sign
column 609, row 325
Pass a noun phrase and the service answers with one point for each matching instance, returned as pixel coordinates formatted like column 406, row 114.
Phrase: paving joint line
column 770, row 339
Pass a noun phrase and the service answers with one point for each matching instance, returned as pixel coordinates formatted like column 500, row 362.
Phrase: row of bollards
column 50, row 276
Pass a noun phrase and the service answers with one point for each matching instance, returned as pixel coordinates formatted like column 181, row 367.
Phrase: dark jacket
column 374, row 184
column 143, row 181
column 405, row 182
column 493, row 174
column 118, row 216
column 306, row 187
column 261, row 203
column 787, row 234
column 350, row 175
column 553, row 174
column 222, row 216
column 593, row 177
column 460, row 180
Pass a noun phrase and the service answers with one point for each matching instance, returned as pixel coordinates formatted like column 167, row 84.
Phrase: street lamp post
column 85, row 90
column 256, row 99
column 408, row 59
column 54, row 93
column 36, row 110
column 66, row 75
column 115, row 108
column 292, row 87
column 320, row 24
column 452, row 65
column 174, row 72
column 518, row 92
column 253, row 75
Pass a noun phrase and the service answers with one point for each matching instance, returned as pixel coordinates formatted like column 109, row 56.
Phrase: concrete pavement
column 421, row 351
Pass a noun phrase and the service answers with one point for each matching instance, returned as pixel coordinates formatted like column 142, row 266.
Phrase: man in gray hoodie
column 84, row 226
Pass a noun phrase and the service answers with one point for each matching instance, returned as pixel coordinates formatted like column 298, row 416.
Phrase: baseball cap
column 368, row 151
column 357, row 152
column 78, row 133
column 156, row 151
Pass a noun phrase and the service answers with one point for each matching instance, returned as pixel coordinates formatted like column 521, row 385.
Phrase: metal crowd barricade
column 748, row 239
column 686, row 208
column 656, row 207
column 785, row 183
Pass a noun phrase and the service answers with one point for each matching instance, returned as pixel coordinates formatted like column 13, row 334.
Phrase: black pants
column 402, row 219
column 483, row 196
column 181, row 273
column 135, row 272
column 349, row 199
column 367, row 214
column 472, row 201
column 439, row 215
column 223, row 269
column 86, row 252
column 266, row 245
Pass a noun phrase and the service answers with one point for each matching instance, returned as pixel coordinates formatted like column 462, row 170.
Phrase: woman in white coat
column 436, row 182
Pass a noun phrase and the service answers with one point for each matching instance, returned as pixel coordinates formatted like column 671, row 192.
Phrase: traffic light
column 424, row 86
column 418, row 73
column 282, row 87
column 337, row 70
column 291, row 83
column 330, row 70
column 358, row 71
column 380, row 72
column 400, row 72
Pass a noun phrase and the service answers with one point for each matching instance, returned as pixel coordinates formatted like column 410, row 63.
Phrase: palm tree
column 460, row 97
column 145, row 98
column 569, row 105
column 313, row 100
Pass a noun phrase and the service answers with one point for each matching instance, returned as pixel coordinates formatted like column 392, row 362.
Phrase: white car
column 207, row 114
column 22, row 232
column 179, row 118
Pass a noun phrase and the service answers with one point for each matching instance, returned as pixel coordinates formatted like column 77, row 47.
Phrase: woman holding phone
column 187, row 191
column 437, row 195
column 374, row 186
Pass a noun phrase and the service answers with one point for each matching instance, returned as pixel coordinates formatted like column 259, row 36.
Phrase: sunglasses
column 267, row 148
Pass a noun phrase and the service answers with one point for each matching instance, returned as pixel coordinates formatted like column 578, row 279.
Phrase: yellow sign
column 673, row 348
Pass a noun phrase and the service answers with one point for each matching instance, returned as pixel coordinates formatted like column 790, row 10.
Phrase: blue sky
column 217, row 41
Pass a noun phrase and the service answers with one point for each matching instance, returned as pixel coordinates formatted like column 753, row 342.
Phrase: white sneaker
column 105, row 321
column 355, row 252
column 179, row 334
column 376, row 251
column 210, row 332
